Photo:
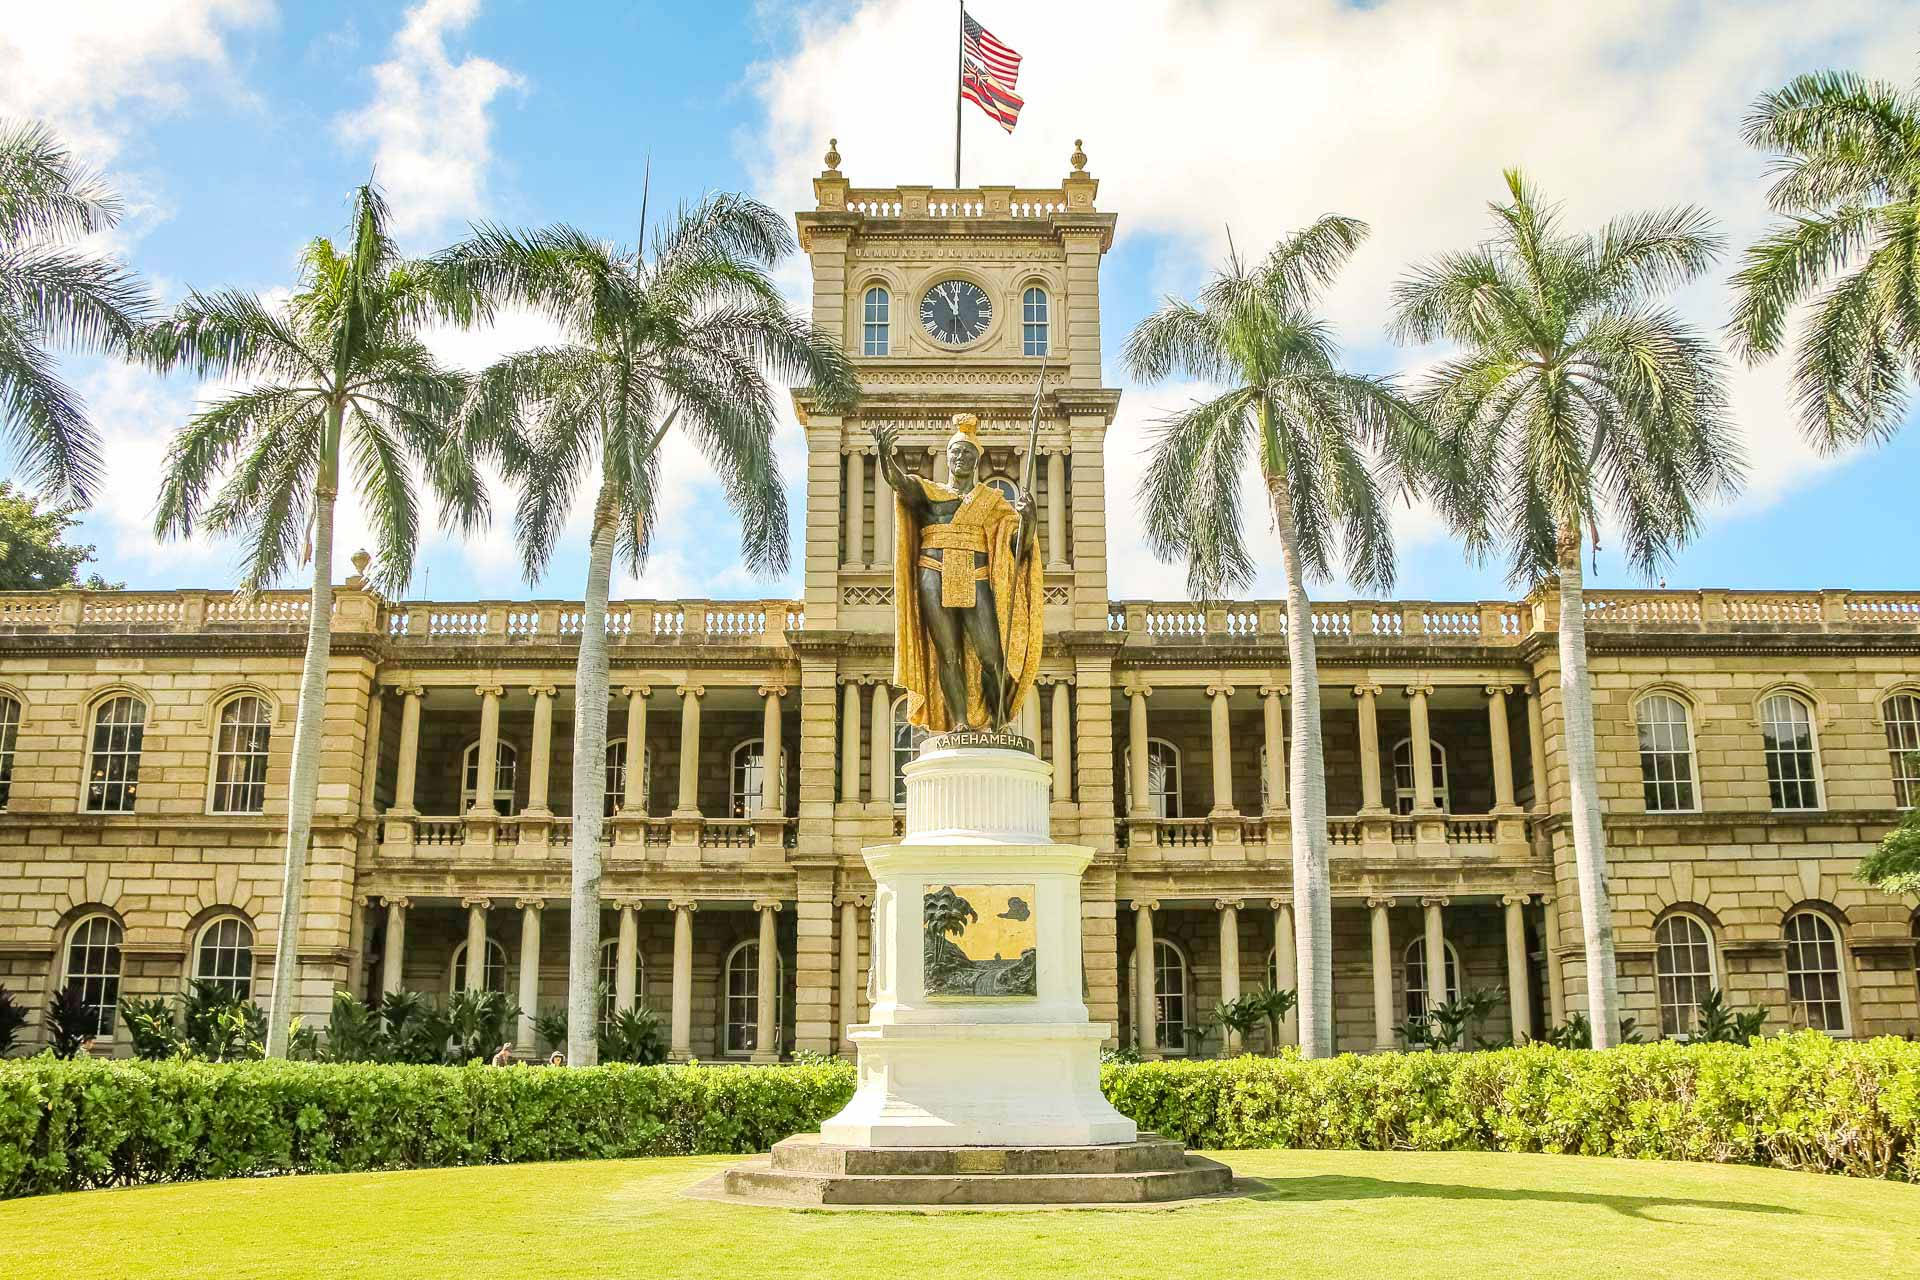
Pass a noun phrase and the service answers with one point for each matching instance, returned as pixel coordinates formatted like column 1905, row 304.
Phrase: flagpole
column 959, row 74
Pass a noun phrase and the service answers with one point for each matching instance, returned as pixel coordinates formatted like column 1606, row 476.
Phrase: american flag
column 989, row 71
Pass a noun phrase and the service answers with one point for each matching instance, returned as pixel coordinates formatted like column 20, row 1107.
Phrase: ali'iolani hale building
column 1752, row 746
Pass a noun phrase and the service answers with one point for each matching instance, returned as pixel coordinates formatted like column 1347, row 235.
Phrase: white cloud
column 428, row 123
column 1204, row 114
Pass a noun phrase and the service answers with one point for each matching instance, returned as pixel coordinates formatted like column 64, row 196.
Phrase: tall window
column 506, row 767
column 905, row 739
column 93, row 969
column 743, row 998
column 1813, row 971
column 1786, row 729
column 224, row 956
column 9, row 735
column 113, row 762
column 1403, row 776
column 1033, row 326
column 1902, row 714
column 609, row 980
column 494, row 974
column 616, row 793
column 1683, row 971
column 749, row 780
column 240, row 756
column 1415, row 966
column 1163, row 778
column 873, row 339
column 1666, row 754
column 1169, row 996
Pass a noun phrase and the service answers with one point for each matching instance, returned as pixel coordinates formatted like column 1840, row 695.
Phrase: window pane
column 1170, row 996
column 1666, row 754
column 240, row 757
column 873, row 340
column 93, row 969
column 113, row 768
column 1786, row 731
column 9, row 734
column 1813, row 971
column 1415, row 965
column 1902, row 714
column 1683, row 962
column 749, row 779
column 1033, row 315
column 225, row 957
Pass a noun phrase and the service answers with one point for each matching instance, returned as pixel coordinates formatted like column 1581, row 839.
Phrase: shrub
column 70, row 1021
column 12, row 1018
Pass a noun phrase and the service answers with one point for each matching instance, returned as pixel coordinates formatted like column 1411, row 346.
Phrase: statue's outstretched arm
column 903, row 482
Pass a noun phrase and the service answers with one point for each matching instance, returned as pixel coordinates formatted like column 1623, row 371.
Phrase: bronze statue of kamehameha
column 967, row 590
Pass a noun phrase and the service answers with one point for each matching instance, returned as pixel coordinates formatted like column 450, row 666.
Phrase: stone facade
column 1166, row 724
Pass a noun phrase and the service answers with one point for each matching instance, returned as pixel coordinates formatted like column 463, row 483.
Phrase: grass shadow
column 1343, row 1187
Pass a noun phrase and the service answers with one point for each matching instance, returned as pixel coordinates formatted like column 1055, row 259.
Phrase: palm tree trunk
column 1589, row 837
column 309, row 728
column 1307, row 798
column 589, row 788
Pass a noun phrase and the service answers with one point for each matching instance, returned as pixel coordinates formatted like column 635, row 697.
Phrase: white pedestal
column 940, row 1068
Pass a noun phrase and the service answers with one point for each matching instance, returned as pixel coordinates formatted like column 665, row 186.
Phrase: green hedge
column 1797, row 1102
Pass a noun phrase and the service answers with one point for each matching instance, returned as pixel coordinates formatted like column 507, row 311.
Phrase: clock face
column 955, row 312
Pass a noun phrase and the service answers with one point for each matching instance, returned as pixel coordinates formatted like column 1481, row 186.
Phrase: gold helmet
column 966, row 427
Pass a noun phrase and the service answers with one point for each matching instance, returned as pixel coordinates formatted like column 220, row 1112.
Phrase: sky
column 236, row 128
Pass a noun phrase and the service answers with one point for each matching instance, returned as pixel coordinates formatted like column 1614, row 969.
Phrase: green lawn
column 1348, row 1214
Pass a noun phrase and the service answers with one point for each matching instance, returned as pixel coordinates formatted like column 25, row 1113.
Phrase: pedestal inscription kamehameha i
column 981, row 940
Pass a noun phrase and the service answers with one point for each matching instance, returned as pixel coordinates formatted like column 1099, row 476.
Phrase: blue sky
column 236, row 127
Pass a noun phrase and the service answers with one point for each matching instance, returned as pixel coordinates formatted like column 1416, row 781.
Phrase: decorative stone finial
column 1079, row 156
column 833, row 154
column 360, row 560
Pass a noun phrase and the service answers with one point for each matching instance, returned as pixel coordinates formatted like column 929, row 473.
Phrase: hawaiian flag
column 989, row 70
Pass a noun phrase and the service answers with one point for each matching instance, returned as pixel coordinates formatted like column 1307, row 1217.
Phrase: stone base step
column 808, row 1153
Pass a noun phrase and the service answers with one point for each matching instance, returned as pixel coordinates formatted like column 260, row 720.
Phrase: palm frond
column 43, row 192
column 93, row 304
column 45, row 423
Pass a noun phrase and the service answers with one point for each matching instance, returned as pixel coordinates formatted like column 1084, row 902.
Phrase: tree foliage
column 34, row 552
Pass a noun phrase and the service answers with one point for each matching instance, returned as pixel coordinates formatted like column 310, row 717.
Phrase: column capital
column 1515, row 899
column 1366, row 689
column 1219, row 691
column 470, row 903
column 407, row 689
column 873, row 678
column 634, row 905
column 1546, row 899
column 682, row 904
column 1502, row 689
column 1381, row 904
column 542, row 690
column 1274, row 691
column 637, row 690
column 1137, row 688
column 1229, row 904
column 691, row 690
column 854, row 900
column 402, row 903
column 766, row 904
column 773, row 691
column 1435, row 902
column 1146, row 904
column 537, row 903
column 1280, row 904
column 1419, row 690
column 485, row 690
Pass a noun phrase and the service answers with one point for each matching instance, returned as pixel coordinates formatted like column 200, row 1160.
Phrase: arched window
column 1169, row 996
column 240, row 756
column 609, row 980
column 1033, row 322
column 906, row 740
column 93, row 969
column 743, row 998
column 1813, row 971
column 1414, row 964
column 9, row 735
column 616, row 793
column 749, row 780
column 1403, row 776
column 113, row 757
column 494, row 975
column 1666, row 754
column 1683, row 971
column 1008, row 489
column 1793, row 771
column 1163, row 778
column 1902, row 714
column 223, row 956
column 875, row 308
column 506, row 767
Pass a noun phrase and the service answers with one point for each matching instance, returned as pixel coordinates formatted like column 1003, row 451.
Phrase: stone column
column 882, row 520
column 633, row 799
column 393, row 958
column 370, row 760
column 1062, row 742
column 850, row 742
column 1436, row 950
column 1550, row 943
column 1286, row 965
column 530, row 909
column 856, row 508
column 1421, row 748
column 1056, row 510
column 1273, row 714
column 766, row 1042
column 1519, row 993
column 409, row 763
column 1537, row 750
column 850, row 908
column 357, row 946
column 1370, row 799
column 1138, row 805
column 1502, row 748
column 689, row 800
column 773, row 765
column 486, row 769
column 542, row 754
column 1145, row 1007
column 680, row 1033
column 1383, row 1019
column 476, row 942
column 1229, row 909
column 626, row 958
column 881, row 783
column 1218, row 695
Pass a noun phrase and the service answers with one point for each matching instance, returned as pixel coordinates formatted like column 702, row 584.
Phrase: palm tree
column 1577, row 394
column 1330, row 446
column 337, row 374
column 51, row 292
column 685, row 337
column 1847, row 150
